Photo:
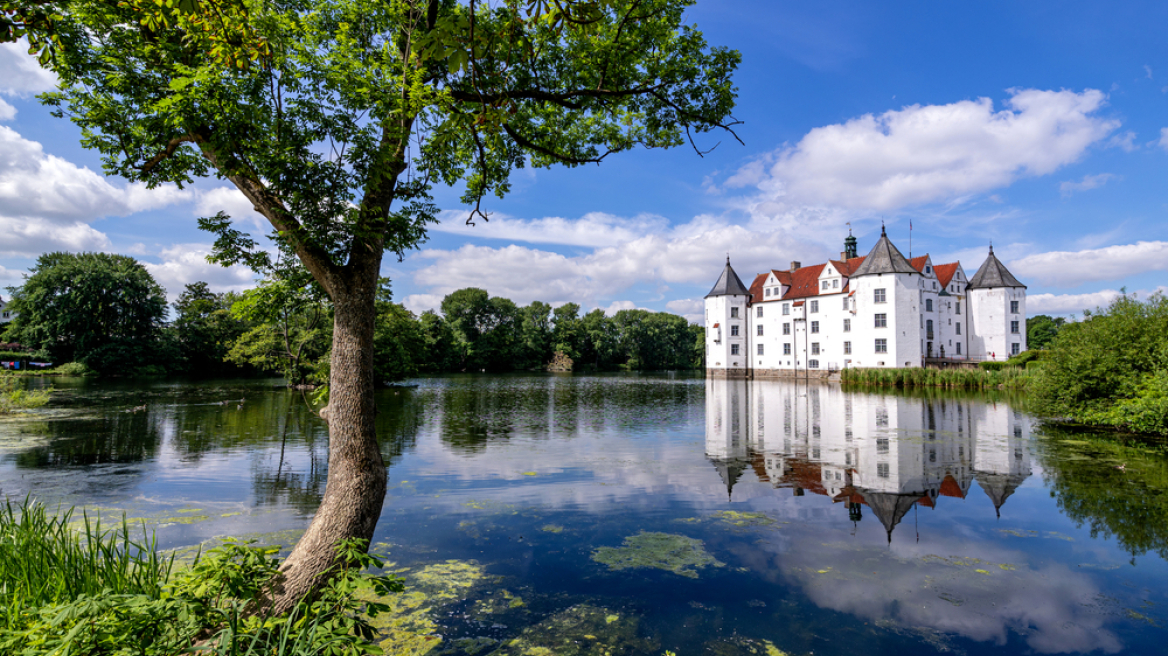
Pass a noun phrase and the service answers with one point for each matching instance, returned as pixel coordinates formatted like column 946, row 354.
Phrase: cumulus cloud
column 693, row 309
column 1069, row 187
column 23, row 76
column 1077, row 303
column 186, row 263
column 47, row 202
column 687, row 253
column 1163, row 143
column 931, row 153
column 1071, row 268
column 232, row 202
column 1125, row 141
column 7, row 112
column 594, row 229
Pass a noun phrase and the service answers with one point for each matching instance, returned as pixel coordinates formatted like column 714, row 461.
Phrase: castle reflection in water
column 883, row 453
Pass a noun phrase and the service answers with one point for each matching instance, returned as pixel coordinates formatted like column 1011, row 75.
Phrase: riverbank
column 1013, row 378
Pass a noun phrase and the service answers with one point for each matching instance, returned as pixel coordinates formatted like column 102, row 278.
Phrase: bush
column 93, row 591
column 1110, row 369
column 13, row 397
column 73, row 369
column 993, row 366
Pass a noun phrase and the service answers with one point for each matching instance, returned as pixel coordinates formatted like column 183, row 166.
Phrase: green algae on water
column 552, row 528
column 582, row 630
column 744, row 519
column 408, row 625
column 673, row 553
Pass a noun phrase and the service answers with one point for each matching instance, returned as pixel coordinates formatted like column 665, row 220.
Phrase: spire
column 993, row 274
column 729, row 284
column 850, row 246
column 884, row 258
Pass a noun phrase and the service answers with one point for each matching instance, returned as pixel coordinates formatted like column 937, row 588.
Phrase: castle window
column 733, row 349
column 881, row 345
column 786, row 308
column 879, row 295
column 786, row 329
column 882, row 443
column 1013, row 307
column 1014, row 327
column 881, row 320
column 824, row 284
column 760, row 349
column 958, row 348
column 813, row 364
column 928, row 305
column 787, row 349
column 835, row 284
column 882, row 469
column 847, row 325
column 814, row 348
column 759, row 327
column 1015, row 349
column 845, row 302
column 758, row 312
column 814, row 326
column 847, row 348
column 733, row 331
column 733, row 313
column 815, row 306
column 767, row 292
column 958, row 308
column 928, row 269
column 959, row 329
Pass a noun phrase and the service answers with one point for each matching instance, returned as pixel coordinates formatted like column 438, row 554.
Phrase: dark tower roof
column 993, row 274
column 729, row 284
column 850, row 246
column 999, row 487
column 884, row 258
column 890, row 508
column 730, row 471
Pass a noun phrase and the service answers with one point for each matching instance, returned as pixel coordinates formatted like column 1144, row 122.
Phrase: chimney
column 795, row 265
column 843, row 256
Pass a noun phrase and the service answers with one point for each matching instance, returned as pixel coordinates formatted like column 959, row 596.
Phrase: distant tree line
column 108, row 313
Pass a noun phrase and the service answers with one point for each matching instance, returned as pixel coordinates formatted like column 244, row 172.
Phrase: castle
column 880, row 310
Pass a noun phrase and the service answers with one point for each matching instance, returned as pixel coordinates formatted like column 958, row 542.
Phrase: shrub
column 73, row 369
column 993, row 366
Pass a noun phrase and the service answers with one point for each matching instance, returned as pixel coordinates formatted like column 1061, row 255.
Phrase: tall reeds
column 1008, row 378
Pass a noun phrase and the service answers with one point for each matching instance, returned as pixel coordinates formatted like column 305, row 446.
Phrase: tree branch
column 171, row 146
column 527, row 143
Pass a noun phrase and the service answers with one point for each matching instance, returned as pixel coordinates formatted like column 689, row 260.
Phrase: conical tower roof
column 890, row 508
column 730, row 471
column 729, row 284
column 884, row 258
column 999, row 487
column 993, row 274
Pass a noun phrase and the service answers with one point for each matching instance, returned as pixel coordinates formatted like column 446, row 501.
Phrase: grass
column 70, row 586
column 976, row 379
column 44, row 561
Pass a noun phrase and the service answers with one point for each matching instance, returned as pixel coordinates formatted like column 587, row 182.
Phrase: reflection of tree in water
column 280, row 481
column 1129, row 504
column 114, row 438
column 476, row 411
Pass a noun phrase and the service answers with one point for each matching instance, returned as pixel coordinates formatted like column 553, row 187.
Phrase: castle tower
column 727, row 327
column 997, row 312
column 887, row 295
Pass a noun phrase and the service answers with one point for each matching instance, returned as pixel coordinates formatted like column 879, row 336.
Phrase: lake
column 628, row 514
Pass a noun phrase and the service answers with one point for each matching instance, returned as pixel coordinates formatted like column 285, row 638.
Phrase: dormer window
column 768, row 291
column 824, row 284
column 835, row 284
column 928, row 269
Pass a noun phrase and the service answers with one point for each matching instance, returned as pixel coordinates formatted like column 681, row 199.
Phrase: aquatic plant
column 673, row 553
column 582, row 630
column 13, row 398
column 977, row 379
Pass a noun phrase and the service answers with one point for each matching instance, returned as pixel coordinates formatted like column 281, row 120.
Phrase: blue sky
column 1039, row 126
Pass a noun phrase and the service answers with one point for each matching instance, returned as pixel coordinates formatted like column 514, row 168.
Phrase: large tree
column 101, row 309
column 335, row 117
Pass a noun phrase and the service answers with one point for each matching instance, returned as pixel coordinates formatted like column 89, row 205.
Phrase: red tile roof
column 804, row 282
column 945, row 272
column 756, row 287
column 950, row 487
column 918, row 263
column 849, row 266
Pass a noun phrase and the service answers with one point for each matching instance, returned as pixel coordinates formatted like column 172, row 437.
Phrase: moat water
column 698, row 516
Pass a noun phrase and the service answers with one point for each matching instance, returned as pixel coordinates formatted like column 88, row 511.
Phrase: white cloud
column 1163, row 143
column 23, row 76
column 183, row 264
column 688, row 253
column 47, row 203
column 1148, row 71
column 1071, row 268
column 693, row 309
column 7, row 112
column 1125, row 141
column 594, row 229
column 923, row 154
column 232, row 202
column 1068, row 303
column 617, row 306
column 419, row 303
column 1068, row 187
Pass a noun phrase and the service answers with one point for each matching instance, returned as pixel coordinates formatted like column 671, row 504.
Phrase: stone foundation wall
column 813, row 374
column 728, row 373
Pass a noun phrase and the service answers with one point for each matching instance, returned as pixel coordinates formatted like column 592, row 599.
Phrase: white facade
column 880, row 310
column 886, row 452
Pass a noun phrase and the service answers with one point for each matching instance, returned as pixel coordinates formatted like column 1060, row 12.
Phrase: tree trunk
column 357, row 476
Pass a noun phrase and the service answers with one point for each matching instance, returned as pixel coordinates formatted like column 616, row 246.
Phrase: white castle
column 880, row 310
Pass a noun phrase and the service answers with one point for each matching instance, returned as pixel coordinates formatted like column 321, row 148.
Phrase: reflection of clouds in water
column 925, row 587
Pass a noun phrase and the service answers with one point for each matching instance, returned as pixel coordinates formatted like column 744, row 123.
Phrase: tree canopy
column 100, row 309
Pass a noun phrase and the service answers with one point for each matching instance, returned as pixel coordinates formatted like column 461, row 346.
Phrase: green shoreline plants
column 1006, row 377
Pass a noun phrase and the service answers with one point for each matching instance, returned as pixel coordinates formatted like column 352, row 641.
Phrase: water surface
column 823, row 520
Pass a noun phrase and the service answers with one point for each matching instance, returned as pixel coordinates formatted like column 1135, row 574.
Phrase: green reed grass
column 44, row 560
column 1007, row 378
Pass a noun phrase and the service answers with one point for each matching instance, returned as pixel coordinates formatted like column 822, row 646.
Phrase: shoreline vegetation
column 1010, row 377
